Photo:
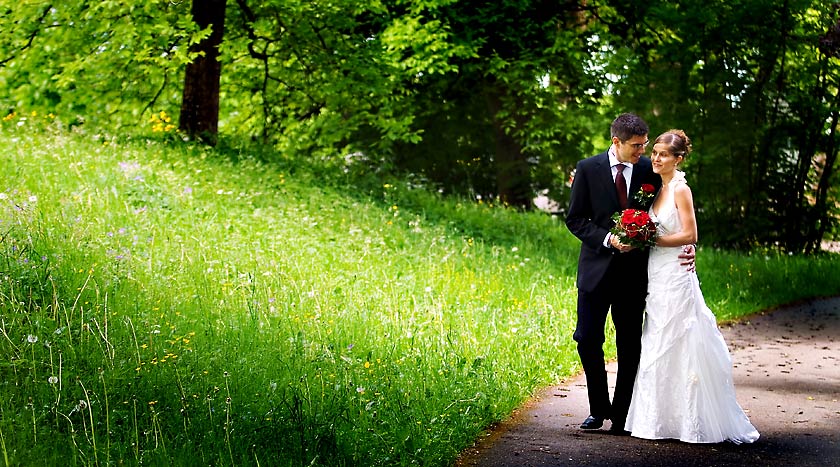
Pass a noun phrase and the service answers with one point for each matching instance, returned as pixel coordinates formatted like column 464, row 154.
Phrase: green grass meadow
column 168, row 304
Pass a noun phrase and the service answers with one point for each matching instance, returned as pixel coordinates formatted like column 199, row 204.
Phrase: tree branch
column 32, row 35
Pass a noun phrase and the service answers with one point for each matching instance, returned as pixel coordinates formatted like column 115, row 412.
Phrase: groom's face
column 631, row 150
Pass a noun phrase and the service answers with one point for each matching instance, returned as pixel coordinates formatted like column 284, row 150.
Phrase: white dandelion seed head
column 32, row 338
column 53, row 380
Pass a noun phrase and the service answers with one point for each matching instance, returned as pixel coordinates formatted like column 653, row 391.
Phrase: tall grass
column 167, row 305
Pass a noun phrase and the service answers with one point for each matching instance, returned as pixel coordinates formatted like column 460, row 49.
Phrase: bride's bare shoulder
column 682, row 193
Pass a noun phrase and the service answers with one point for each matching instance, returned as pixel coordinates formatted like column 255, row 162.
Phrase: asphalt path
column 786, row 369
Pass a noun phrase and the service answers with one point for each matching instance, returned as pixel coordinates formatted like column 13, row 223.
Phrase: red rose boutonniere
column 645, row 194
column 634, row 227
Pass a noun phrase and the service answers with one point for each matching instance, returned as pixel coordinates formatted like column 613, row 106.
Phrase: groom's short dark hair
column 628, row 125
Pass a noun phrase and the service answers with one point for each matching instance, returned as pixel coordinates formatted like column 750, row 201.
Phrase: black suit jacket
column 593, row 202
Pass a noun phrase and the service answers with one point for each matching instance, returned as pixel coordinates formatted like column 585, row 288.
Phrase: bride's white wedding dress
column 684, row 386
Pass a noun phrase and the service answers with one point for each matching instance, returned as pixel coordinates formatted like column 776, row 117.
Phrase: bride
column 684, row 386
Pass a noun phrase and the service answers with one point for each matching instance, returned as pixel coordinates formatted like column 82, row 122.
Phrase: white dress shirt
column 628, row 173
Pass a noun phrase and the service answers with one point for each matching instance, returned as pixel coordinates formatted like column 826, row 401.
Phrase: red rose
column 634, row 217
column 635, row 227
column 645, row 194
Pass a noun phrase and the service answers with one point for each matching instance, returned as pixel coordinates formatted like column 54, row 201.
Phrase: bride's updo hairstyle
column 677, row 141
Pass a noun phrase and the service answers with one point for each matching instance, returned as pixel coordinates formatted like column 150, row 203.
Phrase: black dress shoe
column 617, row 429
column 592, row 423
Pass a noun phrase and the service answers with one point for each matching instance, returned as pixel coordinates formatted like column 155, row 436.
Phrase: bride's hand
column 687, row 257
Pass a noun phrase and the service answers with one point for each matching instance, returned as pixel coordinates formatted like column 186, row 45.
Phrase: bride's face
column 662, row 160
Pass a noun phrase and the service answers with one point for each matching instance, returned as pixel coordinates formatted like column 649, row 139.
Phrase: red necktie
column 621, row 186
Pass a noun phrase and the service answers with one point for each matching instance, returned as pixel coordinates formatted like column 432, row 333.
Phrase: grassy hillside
column 171, row 305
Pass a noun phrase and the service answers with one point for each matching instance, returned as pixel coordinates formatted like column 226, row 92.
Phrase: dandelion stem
column 107, row 419
column 3, row 444
column 136, row 432
column 60, row 382
column 183, row 394
column 55, row 304
column 134, row 335
column 76, row 302
column 34, row 369
column 6, row 335
column 92, row 428
column 228, row 420
column 34, row 425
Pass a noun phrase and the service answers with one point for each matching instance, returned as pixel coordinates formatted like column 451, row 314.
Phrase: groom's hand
column 621, row 247
column 687, row 257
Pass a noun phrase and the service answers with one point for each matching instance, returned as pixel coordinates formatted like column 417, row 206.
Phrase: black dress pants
column 622, row 294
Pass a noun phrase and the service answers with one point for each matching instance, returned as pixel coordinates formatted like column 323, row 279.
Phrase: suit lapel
column 639, row 170
column 635, row 185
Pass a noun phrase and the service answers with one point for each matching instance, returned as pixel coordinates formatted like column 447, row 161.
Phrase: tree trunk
column 200, row 102
column 822, row 194
column 513, row 174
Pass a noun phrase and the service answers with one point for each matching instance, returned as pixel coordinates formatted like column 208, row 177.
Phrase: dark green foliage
column 751, row 83
column 490, row 99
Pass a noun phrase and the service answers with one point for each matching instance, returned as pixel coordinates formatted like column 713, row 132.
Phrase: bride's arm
column 685, row 206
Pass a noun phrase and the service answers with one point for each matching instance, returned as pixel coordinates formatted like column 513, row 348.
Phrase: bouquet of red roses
column 634, row 227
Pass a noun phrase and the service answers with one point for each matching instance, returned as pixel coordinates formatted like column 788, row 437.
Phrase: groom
column 611, row 277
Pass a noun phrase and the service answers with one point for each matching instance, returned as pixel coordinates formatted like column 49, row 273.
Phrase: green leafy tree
column 513, row 109
column 492, row 99
column 108, row 62
column 488, row 94
column 750, row 82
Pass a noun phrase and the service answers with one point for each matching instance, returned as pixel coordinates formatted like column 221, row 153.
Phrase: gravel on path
column 786, row 368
